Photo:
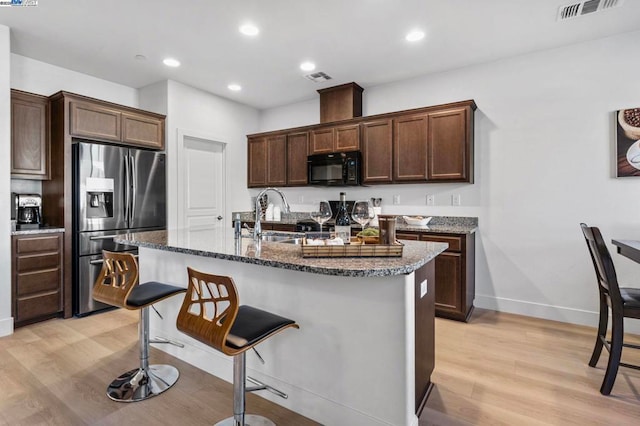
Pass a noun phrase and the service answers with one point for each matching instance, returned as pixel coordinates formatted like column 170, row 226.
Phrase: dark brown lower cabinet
column 455, row 273
column 36, row 266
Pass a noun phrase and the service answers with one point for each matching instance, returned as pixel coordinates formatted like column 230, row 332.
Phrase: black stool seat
column 151, row 292
column 252, row 325
column 630, row 297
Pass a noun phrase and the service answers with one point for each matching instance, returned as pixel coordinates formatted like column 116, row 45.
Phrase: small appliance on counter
column 26, row 210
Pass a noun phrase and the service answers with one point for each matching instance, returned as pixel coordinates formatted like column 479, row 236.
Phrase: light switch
column 431, row 200
column 455, row 200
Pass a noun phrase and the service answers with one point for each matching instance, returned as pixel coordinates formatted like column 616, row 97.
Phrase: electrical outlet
column 396, row 200
column 301, row 199
column 455, row 200
column 431, row 200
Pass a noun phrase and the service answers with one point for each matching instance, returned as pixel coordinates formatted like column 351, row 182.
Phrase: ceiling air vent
column 318, row 77
column 585, row 8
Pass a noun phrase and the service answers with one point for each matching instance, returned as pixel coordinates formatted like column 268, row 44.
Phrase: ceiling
column 351, row 40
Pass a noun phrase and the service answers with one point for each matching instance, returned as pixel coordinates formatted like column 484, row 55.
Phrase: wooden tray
column 353, row 250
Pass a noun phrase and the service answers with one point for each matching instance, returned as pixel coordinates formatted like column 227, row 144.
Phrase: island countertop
column 219, row 243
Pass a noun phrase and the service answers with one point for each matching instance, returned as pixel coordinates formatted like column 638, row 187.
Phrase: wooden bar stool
column 211, row 315
column 117, row 285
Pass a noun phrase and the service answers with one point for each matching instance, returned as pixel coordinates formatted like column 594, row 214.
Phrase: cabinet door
column 297, row 149
column 448, row 145
column 377, row 151
column 410, row 148
column 277, row 160
column 257, row 162
column 94, row 121
column 147, row 131
column 448, row 279
column 321, row 141
column 347, row 138
column 29, row 136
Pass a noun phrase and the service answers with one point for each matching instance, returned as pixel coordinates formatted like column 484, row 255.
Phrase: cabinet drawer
column 31, row 263
column 455, row 243
column 37, row 282
column 33, row 307
column 407, row 236
column 37, row 244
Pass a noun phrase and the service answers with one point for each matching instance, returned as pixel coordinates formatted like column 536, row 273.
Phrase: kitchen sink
column 282, row 237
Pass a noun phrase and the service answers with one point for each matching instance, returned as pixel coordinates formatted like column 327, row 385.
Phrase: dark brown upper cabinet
column 30, row 150
column 410, row 148
column 267, row 159
column 277, row 160
column 431, row 144
column 449, row 146
column 103, row 121
column 377, row 151
column 297, row 148
column 340, row 138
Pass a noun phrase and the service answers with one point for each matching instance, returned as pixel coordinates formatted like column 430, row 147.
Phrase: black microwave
column 335, row 169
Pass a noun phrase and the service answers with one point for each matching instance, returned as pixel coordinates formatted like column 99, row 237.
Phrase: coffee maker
column 27, row 210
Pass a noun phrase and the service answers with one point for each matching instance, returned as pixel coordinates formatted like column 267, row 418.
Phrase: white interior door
column 201, row 189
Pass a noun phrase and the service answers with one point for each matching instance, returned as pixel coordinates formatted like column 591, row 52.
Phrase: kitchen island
column 364, row 351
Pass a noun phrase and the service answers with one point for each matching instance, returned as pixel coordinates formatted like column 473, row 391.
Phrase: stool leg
column 147, row 380
column 239, row 398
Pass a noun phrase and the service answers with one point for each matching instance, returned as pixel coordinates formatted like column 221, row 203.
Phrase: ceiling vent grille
column 318, row 77
column 585, row 8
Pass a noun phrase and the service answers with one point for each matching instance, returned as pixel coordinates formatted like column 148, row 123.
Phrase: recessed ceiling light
column 235, row 87
column 170, row 62
column 307, row 66
column 249, row 29
column 415, row 35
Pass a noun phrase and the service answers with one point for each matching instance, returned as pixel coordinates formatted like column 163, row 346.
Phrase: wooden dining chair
column 118, row 285
column 624, row 303
column 211, row 314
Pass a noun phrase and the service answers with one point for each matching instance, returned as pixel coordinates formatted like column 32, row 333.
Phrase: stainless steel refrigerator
column 116, row 190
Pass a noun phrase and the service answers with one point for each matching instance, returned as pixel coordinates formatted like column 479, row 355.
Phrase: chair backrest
column 117, row 278
column 603, row 264
column 209, row 309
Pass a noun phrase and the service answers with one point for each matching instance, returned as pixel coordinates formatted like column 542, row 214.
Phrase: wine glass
column 323, row 213
column 362, row 212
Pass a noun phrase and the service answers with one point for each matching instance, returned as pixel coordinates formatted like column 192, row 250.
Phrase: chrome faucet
column 257, row 228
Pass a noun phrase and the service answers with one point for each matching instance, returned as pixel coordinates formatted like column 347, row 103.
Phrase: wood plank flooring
column 498, row 369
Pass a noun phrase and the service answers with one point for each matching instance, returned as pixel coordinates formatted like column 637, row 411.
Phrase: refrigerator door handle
column 134, row 188
column 127, row 190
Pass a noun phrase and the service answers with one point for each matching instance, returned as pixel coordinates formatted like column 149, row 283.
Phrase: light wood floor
column 498, row 369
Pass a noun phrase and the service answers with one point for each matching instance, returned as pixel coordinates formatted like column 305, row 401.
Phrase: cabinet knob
column 219, row 218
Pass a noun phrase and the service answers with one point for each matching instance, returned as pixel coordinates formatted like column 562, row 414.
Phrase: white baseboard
column 550, row 312
column 6, row 326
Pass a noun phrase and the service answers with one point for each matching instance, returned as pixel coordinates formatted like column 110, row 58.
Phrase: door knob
column 219, row 217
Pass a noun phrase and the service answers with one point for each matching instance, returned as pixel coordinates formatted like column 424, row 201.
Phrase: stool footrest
column 159, row 339
column 263, row 386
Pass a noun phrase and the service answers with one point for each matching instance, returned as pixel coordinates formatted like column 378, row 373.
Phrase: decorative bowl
column 416, row 220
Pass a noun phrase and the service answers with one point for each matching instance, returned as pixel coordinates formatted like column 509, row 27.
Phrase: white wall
column 6, row 321
column 45, row 79
column 195, row 112
column 544, row 139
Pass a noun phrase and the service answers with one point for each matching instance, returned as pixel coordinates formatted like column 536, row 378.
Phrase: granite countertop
column 219, row 243
column 41, row 230
column 437, row 225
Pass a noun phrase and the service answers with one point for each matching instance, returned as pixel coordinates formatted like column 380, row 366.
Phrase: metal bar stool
column 211, row 315
column 117, row 285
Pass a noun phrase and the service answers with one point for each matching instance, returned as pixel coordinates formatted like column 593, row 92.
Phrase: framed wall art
column 628, row 142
